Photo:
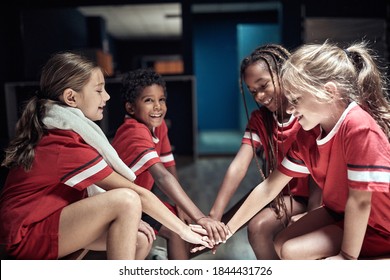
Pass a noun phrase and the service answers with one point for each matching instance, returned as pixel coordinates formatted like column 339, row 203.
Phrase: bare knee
column 143, row 242
column 261, row 226
column 254, row 226
column 289, row 250
column 143, row 246
column 125, row 200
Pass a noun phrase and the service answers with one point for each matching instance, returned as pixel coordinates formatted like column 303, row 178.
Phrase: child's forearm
column 231, row 181
column 357, row 212
column 253, row 204
column 226, row 191
column 263, row 194
column 171, row 187
column 315, row 195
column 153, row 206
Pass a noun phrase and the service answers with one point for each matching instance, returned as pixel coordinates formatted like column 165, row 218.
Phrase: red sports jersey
column 64, row 166
column 139, row 149
column 284, row 135
column 355, row 154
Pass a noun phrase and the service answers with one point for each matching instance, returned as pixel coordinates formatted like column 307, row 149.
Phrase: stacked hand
column 215, row 230
column 215, row 241
column 198, row 238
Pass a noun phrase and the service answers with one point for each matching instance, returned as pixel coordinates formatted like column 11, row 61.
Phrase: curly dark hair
column 135, row 81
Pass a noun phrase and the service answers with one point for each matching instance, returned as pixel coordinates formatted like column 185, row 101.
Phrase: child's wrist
column 347, row 256
column 203, row 217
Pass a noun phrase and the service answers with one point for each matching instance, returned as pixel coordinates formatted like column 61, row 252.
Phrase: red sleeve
column 253, row 130
column 134, row 144
column 166, row 155
column 82, row 166
column 292, row 165
column 367, row 154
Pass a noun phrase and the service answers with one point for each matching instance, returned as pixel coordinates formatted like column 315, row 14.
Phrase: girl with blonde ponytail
column 339, row 98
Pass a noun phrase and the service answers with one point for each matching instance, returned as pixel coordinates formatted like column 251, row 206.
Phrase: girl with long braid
column 270, row 132
column 340, row 98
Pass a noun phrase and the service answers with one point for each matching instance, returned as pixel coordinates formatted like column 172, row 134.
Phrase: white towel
column 68, row 118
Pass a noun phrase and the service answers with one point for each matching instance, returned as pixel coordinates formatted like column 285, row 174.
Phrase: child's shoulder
column 62, row 135
column 131, row 123
column 357, row 119
column 131, row 128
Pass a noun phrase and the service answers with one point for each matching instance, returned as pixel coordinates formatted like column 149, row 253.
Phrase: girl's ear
column 68, row 97
column 331, row 87
column 129, row 108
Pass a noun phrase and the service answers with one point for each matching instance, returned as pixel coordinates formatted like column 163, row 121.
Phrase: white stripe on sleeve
column 86, row 173
column 294, row 167
column 167, row 158
column 369, row 176
column 144, row 160
column 255, row 137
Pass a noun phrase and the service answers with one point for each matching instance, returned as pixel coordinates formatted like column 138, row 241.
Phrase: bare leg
column 94, row 223
column 177, row 248
column 142, row 249
column 143, row 246
column 263, row 228
column 314, row 236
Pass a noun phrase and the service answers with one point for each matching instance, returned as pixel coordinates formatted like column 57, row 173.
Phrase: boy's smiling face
column 150, row 106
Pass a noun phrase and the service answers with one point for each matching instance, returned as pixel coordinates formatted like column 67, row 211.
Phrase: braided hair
column 273, row 56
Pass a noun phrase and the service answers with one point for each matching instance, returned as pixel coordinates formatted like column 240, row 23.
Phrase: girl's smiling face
column 310, row 111
column 93, row 97
column 259, row 82
column 150, row 106
column 306, row 108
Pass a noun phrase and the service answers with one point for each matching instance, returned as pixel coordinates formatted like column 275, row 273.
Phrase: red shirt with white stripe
column 139, row 149
column 64, row 166
column 283, row 135
column 355, row 154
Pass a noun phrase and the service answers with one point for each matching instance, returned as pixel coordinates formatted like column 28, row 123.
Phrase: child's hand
column 199, row 229
column 197, row 238
column 216, row 230
column 147, row 230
